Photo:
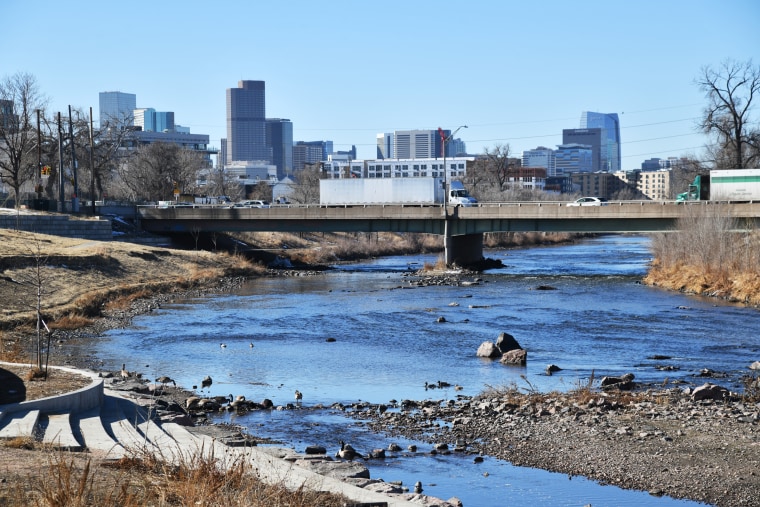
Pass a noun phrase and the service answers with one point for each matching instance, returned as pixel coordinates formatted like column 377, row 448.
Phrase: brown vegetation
column 74, row 479
column 78, row 278
column 709, row 254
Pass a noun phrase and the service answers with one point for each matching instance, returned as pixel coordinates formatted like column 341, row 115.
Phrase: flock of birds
column 346, row 451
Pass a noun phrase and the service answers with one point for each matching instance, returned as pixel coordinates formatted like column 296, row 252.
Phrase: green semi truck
column 724, row 185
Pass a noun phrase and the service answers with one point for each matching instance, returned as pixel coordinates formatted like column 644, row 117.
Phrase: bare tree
column 306, row 186
column 157, row 169
column 731, row 90
column 19, row 101
column 220, row 182
column 497, row 164
column 261, row 190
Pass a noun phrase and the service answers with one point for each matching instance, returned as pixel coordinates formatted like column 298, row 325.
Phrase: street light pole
column 447, row 250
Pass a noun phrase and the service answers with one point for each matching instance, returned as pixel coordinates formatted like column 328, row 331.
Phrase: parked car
column 252, row 203
column 589, row 201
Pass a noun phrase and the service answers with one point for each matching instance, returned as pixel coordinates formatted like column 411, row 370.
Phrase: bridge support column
column 463, row 250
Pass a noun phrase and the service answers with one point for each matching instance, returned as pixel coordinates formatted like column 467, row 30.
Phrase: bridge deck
column 624, row 216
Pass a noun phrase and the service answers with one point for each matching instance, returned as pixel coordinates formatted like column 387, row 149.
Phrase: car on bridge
column 589, row 201
column 251, row 203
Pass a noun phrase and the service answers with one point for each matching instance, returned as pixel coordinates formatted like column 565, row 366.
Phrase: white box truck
column 360, row 191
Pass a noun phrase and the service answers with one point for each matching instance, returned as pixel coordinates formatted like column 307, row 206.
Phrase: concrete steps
column 59, row 433
column 119, row 427
column 20, row 424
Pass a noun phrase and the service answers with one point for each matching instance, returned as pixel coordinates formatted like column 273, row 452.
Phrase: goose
column 347, row 452
column 223, row 345
column 124, row 373
column 166, row 380
column 206, row 382
column 250, row 345
column 299, row 396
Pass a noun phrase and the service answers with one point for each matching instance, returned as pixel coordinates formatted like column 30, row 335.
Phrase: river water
column 388, row 343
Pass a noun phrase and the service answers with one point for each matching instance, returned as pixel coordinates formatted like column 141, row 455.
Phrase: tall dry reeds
column 708, row 253
column 75, row 480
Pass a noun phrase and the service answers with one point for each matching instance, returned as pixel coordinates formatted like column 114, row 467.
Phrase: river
column 388, row 342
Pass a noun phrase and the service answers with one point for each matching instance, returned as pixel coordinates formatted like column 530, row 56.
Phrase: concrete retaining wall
column 60, row 225
column 76, row 401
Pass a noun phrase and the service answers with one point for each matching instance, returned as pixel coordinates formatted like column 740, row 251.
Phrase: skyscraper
column 384, row 146
column 246, row 122
column 280, row 143
column 117, row 109
column 411, row 144
column 609, row 148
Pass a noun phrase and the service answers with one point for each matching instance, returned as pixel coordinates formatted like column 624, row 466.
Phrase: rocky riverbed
column 666, row 441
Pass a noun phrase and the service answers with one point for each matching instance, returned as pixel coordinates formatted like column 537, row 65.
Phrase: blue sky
column 516, row 73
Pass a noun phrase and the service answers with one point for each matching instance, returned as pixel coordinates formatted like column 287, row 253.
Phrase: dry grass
column 71, row 321
column 520, row 239
column 78, row 278
column 75, row 479
column 708, row 255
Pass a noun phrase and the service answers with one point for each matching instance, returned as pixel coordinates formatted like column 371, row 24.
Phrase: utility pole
column 75, row 197
column 92, row 169
column 60, row 166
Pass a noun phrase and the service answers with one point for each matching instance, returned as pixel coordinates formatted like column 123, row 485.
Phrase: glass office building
column 609, row 147
column 246, row 122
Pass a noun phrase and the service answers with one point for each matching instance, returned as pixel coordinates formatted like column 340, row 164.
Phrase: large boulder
column 710, row 391
column 515, row 357
column 488, row 349
column 506, row 342
column 755, row 366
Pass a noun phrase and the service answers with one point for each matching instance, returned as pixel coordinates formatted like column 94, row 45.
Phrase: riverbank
column 515, row 427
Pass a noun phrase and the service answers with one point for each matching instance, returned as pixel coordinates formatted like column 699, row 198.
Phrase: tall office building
column 573, row 158
column 310, row 152
column 165, row 121
column 280, row 143
column 117, row 109
column 609, row 147
column 150, row 120
column 145, row 118
column 246, row 122
column 592, row 139
column 411, row 144
column 540, row 157
column 384, row 146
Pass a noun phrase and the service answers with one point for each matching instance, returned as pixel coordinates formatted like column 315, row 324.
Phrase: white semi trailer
column 359, row 191
column 724, row 185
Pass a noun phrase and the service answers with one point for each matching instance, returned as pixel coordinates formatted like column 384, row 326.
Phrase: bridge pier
column 463, row 250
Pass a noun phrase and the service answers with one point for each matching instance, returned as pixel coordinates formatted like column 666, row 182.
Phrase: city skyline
column 518, row 75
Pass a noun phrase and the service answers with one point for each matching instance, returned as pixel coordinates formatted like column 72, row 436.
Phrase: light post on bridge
column 447, row 250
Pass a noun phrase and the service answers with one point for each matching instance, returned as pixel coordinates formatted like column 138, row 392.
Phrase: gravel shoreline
column 659, row 440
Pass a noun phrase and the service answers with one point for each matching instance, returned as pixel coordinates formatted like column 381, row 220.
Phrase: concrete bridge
column 462, row 228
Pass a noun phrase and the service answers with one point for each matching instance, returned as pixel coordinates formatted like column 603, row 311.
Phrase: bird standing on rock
column 299, row 396
column 347, row 452
column 206, row 382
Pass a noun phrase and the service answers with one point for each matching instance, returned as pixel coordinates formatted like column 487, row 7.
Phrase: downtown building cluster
column 259, row 149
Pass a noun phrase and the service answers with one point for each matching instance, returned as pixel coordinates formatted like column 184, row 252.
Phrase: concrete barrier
column 97, row 228
column 80, row 400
